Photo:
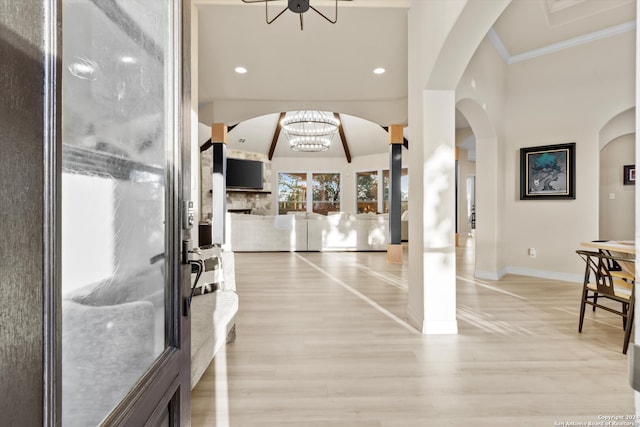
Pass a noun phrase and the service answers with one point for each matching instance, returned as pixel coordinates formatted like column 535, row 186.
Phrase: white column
column 442, row 36
column 438, row 185
column 487, row 215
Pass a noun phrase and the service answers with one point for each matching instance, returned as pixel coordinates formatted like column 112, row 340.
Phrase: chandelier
column 309, row 131
column 295, row 6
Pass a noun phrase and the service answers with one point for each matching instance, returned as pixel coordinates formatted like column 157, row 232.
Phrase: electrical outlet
column 612, row 196
column 532, row 252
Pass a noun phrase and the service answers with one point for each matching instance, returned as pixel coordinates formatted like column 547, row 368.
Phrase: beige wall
column 563, row 97
column 568, row 96
column 617, row 215
column 481, row 97
column 205, row 114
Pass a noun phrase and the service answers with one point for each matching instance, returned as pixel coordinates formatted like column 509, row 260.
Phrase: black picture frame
column 548, row 172
column 629, row 176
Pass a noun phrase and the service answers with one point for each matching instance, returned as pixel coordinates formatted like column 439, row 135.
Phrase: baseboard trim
column 413, row 318
column 440, row 327
column 545, row 274
column 490, row 275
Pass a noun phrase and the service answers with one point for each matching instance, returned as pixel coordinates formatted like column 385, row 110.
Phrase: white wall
column 234, row 111
column 481, row 97
column 563, row 97
column 617, row 216
column 206, row 116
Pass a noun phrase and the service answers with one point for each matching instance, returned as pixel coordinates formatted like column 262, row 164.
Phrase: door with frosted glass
column 123, row 337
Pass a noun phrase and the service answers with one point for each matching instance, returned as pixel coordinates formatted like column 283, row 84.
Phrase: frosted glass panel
column 116, row 128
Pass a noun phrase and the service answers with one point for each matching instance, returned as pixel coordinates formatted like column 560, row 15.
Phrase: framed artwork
column 629, row 177
column 548, row 172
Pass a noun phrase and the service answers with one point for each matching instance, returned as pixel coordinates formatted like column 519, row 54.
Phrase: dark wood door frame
column 30, row 170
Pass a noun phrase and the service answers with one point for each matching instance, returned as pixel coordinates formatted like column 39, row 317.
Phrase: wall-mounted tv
column 244, row 174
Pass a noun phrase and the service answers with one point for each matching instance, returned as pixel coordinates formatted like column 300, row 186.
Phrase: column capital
column 395, row 134
column 219, row 133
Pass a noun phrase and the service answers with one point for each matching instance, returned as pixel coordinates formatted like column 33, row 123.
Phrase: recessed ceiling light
column 241, row 70
column 379, row 70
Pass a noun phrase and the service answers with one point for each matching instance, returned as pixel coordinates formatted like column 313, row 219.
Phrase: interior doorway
column 477, row 142
column 465, row 182
column 617, row 178
column 471, row 203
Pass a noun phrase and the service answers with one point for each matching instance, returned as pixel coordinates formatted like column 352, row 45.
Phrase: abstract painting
column 548, row 172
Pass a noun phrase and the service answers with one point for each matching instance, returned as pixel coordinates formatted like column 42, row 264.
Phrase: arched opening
column 432, row 278
column 485, row 239
column 617, row 177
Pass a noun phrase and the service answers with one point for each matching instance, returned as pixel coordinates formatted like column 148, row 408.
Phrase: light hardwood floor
column 322, row 340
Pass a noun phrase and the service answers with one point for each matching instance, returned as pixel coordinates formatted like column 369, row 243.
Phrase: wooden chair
column 602, row 282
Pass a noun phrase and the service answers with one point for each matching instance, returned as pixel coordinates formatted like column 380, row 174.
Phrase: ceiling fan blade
column 269, row 21
column 266, row 13
column 334, row 20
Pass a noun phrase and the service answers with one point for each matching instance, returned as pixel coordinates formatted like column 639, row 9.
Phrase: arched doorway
column 432, row 84
column 617, row 177
column 487, row 212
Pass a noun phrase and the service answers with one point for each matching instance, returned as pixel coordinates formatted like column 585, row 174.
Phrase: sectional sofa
column 301, row 231
column 213, row 315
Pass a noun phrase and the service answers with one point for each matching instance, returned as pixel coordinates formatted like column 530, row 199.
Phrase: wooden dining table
column 619, row 249
column 621, row 246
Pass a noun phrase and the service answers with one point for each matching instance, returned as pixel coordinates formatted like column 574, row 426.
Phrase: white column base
column 440, row 327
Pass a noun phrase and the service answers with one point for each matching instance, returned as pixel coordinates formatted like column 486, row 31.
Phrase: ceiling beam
column 276, row 135
column 206, row 145
column 345, row 145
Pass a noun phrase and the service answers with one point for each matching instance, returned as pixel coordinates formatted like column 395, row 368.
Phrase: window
column 404, row 190
column 367, row 191
column 292, row 192
column 326, row 192
column 294, row 197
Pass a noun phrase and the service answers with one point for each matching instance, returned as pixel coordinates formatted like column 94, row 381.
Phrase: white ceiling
column 324, row 62
column 527, row 25
column 258, row 133
column 331, row 65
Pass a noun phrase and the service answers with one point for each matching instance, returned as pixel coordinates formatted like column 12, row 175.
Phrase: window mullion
column 309, row 192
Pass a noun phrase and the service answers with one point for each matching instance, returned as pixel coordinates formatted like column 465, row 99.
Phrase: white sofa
column 338, row 231
column 213, row 317
column 264, row 233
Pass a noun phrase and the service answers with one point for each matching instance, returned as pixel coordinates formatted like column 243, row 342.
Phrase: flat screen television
column 244, row 174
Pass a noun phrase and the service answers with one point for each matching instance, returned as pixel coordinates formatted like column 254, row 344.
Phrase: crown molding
column 500, row 47
column 556, row 47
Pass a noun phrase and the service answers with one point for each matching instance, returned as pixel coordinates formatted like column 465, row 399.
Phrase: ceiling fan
column 295, row 6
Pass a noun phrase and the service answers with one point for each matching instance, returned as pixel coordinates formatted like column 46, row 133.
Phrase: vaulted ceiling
column 330, row 67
